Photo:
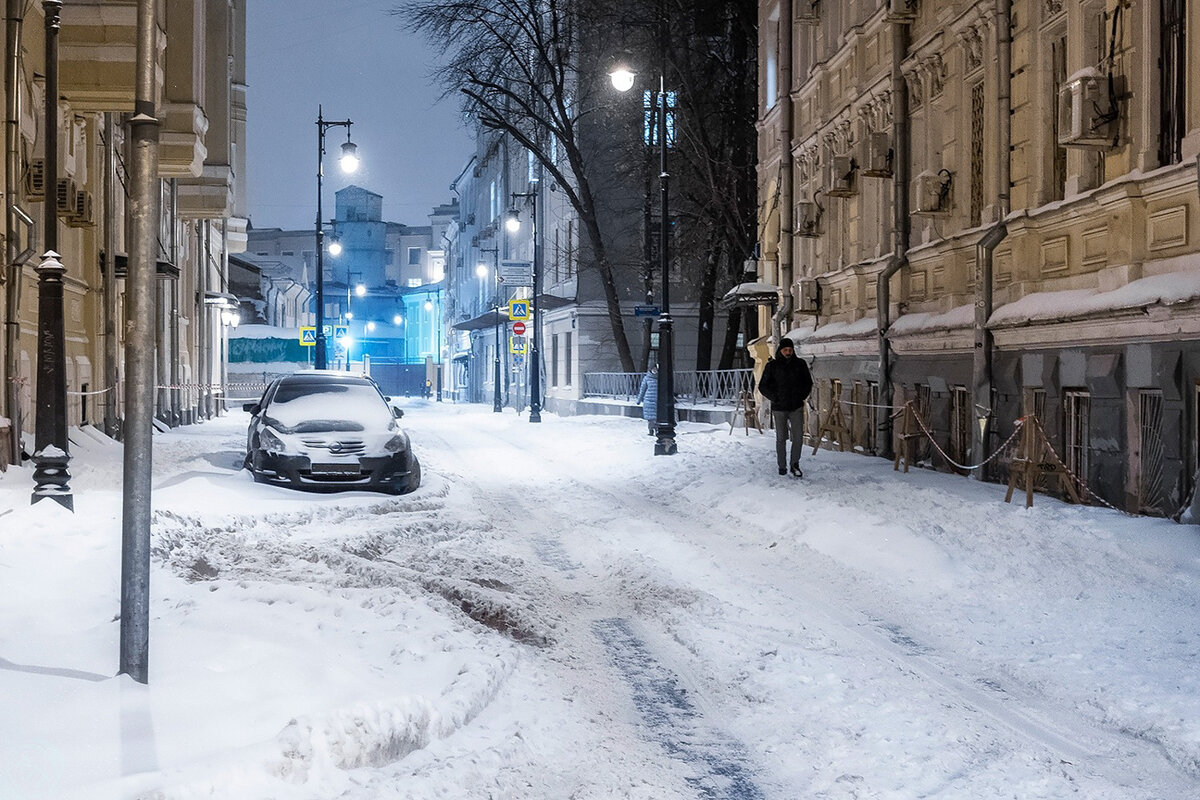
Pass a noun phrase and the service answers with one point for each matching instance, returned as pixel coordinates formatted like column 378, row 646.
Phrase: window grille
column 1152, row 496
column 923, row 404
column 960, row 424
column 1077, row 430
column 977, row 109
column 1172, row 80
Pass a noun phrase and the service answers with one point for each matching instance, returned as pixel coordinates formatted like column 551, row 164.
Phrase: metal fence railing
column 715, row 386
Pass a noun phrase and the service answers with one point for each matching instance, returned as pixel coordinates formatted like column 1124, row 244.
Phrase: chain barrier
column 946, row 455
column 89, row 394
column 1075, row 478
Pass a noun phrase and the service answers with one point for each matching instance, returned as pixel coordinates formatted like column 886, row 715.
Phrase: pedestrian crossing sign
column 308, row 335
column 518, row 309
column 516, row 344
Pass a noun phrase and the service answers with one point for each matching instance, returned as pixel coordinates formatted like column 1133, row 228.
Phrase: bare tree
column 715, row 69
column 516, row 63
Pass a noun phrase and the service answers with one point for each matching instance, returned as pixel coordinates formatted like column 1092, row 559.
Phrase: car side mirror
column 397, row 412
column 253, row 408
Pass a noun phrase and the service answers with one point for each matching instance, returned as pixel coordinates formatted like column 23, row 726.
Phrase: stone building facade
column 990, row 209
column 201, row 106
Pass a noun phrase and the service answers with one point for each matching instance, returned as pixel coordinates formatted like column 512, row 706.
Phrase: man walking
column 786, row 382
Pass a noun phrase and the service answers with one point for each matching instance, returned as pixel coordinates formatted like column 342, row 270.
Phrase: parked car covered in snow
column 321, row 429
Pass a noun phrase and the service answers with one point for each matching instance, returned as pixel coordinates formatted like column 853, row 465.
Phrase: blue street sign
column 645, row 311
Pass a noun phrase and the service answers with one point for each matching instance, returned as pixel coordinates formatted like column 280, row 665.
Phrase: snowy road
column 557, row 613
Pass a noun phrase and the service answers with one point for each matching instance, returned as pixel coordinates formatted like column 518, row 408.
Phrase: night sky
column 350, row 57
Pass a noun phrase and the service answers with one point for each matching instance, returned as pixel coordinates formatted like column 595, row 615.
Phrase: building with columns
column 202, row 109
column 989, row 210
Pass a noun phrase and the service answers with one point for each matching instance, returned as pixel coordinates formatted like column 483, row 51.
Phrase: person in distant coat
column 648, row 397
column 787, row 383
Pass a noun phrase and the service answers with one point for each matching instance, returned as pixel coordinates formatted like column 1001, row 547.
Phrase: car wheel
column 414, row 477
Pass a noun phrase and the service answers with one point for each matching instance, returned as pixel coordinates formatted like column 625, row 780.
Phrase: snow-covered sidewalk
column 557, row 613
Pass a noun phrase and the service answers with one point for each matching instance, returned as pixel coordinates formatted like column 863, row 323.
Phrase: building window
column 414, row 282
column 1058, row 66
column 1077, row 427
column 960, row 424
column 554, row 360
column 977, row 109
column 650, row 111
column 1152, row 496
column 771, row 70
column 567, row 370
column 1172, row 80
column 414, row 256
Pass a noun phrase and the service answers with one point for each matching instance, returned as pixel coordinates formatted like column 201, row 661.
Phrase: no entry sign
column 518, row 328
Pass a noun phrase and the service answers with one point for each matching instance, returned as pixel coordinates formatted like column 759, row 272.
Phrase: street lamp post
column 349, row 163
column 622, row 79
column 497, row 406
column 51, row 447
column 535, row 353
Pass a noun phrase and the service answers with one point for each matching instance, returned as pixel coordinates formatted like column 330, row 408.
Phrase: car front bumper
column 384, row 473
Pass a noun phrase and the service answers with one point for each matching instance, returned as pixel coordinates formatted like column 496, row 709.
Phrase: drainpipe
column 781, row 320
column 901, row 231
column 111, row 341
column 203, row 333
column 173, row 289
column 981, row 367
column 15, row 218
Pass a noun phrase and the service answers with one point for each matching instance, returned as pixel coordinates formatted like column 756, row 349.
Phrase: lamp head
column 622, row 78
column 397, row 320
column 361, row 290
column 349, row 158
column 335, row 247
column 513, row 221
column 428, row 304
column 481, row 269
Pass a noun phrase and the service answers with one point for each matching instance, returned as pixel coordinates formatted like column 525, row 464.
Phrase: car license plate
column 335, row 469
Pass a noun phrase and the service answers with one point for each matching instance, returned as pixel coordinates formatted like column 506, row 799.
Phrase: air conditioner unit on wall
column 65, row 197
column 839, row 176
column 1087, row 116
column 879, row 155
column 809, row 295
column 83, row 217
column 806, row 11
column 931, row 192
column 808, row 218
column 35, row 179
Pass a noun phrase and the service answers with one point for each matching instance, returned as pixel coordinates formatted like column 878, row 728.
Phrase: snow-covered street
column 556, row 613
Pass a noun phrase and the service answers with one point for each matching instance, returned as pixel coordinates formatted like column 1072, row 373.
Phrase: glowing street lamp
column 349, row 163
column 622, row 80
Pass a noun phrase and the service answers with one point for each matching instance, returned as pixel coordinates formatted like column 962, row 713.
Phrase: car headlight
column 397, row 444
column 269, row 441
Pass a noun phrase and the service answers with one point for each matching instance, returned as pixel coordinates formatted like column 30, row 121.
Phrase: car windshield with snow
column 329, row 430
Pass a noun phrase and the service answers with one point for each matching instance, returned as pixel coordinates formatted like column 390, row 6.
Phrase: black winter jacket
column 786, row 382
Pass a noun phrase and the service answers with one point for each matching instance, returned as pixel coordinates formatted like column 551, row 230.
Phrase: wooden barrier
column 1036, row 458
column 746, row 413
column 833, row 428
column 908, row 432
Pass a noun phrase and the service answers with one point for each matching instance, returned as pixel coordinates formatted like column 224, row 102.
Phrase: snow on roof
column 957, row 317
column 1169, row 289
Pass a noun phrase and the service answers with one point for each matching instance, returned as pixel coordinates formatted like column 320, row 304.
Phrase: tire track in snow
column 675, row 722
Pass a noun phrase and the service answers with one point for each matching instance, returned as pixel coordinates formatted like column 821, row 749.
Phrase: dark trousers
column 788, row 425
